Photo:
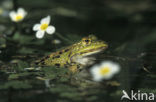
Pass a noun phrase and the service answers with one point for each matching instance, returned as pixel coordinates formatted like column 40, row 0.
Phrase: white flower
column 43, row 27
column 105, row 70
column 18, row 16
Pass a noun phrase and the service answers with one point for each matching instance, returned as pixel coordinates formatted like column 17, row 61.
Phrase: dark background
column 128, row 26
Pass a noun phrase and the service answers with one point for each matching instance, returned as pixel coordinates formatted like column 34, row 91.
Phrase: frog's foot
column 73, row 68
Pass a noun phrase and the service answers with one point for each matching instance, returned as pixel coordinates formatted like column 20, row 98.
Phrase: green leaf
column 16, row 85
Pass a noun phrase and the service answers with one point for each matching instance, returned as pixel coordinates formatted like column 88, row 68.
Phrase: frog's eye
column 86, row 41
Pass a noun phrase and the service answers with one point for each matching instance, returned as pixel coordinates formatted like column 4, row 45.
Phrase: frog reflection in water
column 76, row 56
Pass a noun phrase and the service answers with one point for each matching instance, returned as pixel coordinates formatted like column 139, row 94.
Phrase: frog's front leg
column 73, row 68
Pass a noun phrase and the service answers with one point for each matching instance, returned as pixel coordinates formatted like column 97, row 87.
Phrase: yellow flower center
column 19, row 17
column 44, row 26
column 104, row 70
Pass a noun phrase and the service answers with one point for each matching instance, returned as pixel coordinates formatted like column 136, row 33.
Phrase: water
column 127, row 26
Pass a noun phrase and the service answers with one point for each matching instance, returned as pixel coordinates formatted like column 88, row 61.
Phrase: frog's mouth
column 87, row 57
column 92, row 52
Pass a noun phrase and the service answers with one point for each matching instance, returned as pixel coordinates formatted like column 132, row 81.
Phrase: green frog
column 76, row 56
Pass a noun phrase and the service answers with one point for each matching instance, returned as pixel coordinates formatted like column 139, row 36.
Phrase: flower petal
column 12, row 15
column 22, row 12
column 36, row 27
column 50, row 29
column 40, row 34
column 116, row 69
column 95, row 73
column 45, row 20
column 96, row 70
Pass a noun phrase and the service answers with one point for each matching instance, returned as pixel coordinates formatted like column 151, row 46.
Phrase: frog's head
column 89, row 46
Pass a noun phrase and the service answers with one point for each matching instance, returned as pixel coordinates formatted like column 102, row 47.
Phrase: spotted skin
column 68, row 57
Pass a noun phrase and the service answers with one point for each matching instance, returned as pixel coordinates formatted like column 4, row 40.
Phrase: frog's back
column 59, row 58
column 75, row 56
